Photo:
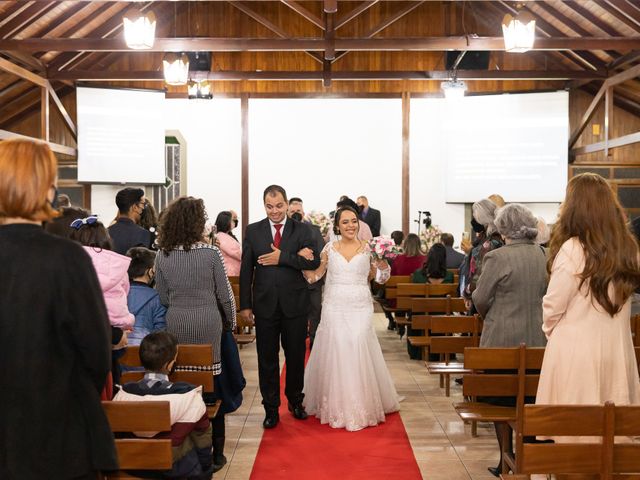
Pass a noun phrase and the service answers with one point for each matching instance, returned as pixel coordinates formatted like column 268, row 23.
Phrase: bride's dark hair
column 336, row 218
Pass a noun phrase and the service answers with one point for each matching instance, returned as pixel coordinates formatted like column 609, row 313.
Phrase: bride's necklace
column 351, row 251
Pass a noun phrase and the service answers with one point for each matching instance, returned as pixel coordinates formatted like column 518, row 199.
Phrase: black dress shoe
column 271, row 420
column 298, row 411
column 495, row 471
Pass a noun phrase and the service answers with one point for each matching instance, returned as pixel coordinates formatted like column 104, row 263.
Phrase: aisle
column 440, row 442
column 307, row 449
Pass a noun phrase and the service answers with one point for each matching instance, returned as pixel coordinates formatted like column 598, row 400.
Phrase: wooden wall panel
column 622, row 123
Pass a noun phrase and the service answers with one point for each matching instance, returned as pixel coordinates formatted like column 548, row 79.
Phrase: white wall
column 212, row 132
column 320, row 149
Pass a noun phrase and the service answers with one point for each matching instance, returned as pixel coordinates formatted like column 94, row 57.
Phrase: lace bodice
column 347, row 282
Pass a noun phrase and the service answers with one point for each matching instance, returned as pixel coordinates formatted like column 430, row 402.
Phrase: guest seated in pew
column 594, row 268
column 190, row 428
column 411, row 259
column 398, row 237
column 143, row 301
column 54, row 333
column 509, row 292
column 434, row 270
column 454, row 258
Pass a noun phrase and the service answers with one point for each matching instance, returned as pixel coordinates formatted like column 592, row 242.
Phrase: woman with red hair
column 54, row 332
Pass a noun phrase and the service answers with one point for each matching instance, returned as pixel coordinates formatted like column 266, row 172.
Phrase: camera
column 426, row 221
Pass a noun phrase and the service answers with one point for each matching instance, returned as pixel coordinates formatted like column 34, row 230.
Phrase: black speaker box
column 472, row 60
column 199, row 61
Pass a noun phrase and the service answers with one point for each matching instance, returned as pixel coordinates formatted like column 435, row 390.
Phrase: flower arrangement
column 319, row 219
column 384, row 248
column 429, row 236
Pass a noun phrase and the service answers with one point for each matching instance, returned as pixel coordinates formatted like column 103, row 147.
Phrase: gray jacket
column 509, row 295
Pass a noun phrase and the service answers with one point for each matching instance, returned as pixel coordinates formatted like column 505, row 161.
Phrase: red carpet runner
column 307, row 450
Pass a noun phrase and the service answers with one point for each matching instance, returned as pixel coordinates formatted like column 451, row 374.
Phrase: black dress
column 55, row 353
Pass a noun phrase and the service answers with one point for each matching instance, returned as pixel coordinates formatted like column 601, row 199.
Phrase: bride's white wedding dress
column 346, row 382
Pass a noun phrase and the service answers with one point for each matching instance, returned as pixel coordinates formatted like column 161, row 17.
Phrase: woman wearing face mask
column 54, row 333
column 488, row 238
column 143, row 301
column 228, row 244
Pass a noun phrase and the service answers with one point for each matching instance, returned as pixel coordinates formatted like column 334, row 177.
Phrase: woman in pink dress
column 594, row 267
column 228, row 243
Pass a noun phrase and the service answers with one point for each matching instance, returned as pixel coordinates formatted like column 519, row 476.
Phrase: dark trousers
column 315, row 311
column 292, row 333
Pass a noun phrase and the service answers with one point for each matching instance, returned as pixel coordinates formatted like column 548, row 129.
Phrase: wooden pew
column 244, row 333
column 601, row 457
column 391, row 293
column 188, row 356
column 421, row 308
column 139, row 453
column 498, row 372
column 449, row 342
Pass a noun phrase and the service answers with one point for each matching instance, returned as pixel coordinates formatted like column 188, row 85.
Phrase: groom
column 273, row 289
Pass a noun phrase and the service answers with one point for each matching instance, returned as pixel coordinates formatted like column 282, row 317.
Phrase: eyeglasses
column 79, row 222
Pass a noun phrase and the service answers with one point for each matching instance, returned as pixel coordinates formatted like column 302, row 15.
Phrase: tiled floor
column 442, row 444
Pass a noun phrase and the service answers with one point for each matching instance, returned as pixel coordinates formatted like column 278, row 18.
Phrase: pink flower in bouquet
column 320, row 220
column 384, row 248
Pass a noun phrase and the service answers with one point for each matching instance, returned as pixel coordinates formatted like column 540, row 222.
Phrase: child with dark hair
column 143, row 301
column 111, row 268
column 190, row 428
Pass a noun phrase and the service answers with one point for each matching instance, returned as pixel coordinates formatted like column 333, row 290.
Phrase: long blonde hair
column 591, row 213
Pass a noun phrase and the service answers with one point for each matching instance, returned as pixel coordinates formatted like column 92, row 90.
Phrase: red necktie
column 277, row 237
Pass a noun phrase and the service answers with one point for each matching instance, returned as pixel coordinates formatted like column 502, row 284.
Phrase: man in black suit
column 296, row 211
column 126, row 233
column 369, row 215
column 274, row 253
column 454, row 259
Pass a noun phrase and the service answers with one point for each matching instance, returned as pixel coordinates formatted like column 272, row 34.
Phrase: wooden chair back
column 446, row 343
column 140, row 453
column 444, row 306
column 188, row 356
column 391, row 286
column 412, row 290
column 601, row 456
column 442, row 289
column 234, row 280
column 502, row 372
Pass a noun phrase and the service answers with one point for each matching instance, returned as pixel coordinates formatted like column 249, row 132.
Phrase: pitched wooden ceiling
column 296, row 47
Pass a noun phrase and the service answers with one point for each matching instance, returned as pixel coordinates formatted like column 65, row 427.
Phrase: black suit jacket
column 264, row 288
column 372, row 218
column 126, row 234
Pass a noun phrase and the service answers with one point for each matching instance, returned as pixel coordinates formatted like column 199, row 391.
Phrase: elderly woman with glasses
column 509, row 291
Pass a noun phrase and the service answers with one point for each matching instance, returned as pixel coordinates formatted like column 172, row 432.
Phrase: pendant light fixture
column 519, row 31
column 200, row 89
column 139, row 29
column 453, row 89
column 176, row 69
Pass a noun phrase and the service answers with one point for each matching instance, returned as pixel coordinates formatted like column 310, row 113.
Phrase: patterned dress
column 194, row 287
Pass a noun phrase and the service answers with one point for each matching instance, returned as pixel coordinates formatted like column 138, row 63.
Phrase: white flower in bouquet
column 429, row 236
column 321, row 220
column 384, row 248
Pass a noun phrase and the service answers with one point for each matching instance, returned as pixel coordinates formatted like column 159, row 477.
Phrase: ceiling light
column 200, row 89
column 176, row 69
column 453, row 89
column 519, row 32
column 139, row 29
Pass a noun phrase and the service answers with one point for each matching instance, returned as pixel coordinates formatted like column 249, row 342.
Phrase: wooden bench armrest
column 419, row 341
column 484, row 412
column 212, row 410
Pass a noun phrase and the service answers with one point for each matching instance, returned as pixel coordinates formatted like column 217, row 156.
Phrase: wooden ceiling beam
column 155, row 75
column 300, row 10
column 225, row 44
column 612, row 10
column 55, row 147
column 14, row 11
column 630, row 57
column 626, row 9
column 262, row 20
column 593, row 18
column 363, row 7
column 25, row 18
column 23, row 73
column 569, row 22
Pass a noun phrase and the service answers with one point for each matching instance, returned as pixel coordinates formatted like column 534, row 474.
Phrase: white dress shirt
column 273, row 229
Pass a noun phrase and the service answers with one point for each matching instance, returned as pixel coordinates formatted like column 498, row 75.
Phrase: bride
column 346, row 382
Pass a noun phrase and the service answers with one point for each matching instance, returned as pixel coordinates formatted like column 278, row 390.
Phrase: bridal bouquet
column 429, row 236
column 384, row 248
column 319, row 219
